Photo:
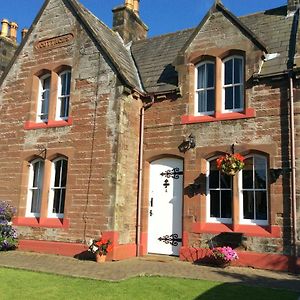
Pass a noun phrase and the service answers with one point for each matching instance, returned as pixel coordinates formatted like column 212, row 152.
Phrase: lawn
column 19, row 284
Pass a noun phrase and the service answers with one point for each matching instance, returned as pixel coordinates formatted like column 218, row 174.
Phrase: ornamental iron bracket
column 174, row 173
column 172, row 239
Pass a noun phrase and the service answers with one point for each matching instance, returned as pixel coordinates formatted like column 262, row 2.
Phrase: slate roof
column 155, row 57
column 275, row 29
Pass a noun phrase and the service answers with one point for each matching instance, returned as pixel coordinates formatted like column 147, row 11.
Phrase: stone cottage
column 106, row 131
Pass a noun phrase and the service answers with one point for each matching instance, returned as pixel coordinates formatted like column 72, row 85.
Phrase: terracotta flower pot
column 100, row 258
column 221, row 263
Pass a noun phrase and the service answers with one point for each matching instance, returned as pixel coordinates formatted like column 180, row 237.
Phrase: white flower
column 90, row 242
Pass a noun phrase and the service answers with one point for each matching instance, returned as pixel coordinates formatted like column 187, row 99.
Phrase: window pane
column 214, row 179
column 211, row 100
column 226, row 209
column 248, row 173
column 201, row 102
column 64, row 84
column 68, row 88
column 238, row 90
column 225, row 181
column 210, row 75
column 35, row 202
column 229, row 98
column 238, row 75
column 260, row 173
column 64, row 173
column 261, row 205
column 248, row 204
column 57, row 173
column 215, row 204
column 56, row 201
column 46, row 83
column 64, row 108
column 62, row 203
column 228, row 71
column 201, row 77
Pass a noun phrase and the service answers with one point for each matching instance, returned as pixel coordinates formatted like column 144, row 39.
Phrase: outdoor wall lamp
column 188, row 143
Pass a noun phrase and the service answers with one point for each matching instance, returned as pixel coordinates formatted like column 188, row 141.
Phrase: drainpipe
column 140, row 176
column 293, row 161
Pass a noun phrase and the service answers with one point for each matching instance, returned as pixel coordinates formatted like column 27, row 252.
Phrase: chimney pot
column 24, row 32
column 5, row 27
column 129, row 4
column 13, row 31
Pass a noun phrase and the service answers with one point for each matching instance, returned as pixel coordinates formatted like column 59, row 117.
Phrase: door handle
column 151, row 202
column 151, row 213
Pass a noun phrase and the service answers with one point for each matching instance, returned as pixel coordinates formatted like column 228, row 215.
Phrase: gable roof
column 107, row 40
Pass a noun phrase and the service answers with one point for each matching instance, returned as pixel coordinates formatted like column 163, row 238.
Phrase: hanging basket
column 230, row 164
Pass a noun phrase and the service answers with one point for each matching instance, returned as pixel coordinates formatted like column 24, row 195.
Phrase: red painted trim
column 29, row 125
column 59, row 248
column 249, row 113
column 276, row 262
column 248, row 230
column 42, row 222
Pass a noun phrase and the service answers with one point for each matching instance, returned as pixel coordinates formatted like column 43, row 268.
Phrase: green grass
column 19, row 284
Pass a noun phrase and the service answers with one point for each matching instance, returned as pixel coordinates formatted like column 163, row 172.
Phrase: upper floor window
column 58, row 187
column 44, row 98
column 233, row 85
column 205, row 88
column 64, row 86
column 34, row 194
column 219, row 194
column 254, row 191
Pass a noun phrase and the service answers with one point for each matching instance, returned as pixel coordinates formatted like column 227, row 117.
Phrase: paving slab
column 146, row 266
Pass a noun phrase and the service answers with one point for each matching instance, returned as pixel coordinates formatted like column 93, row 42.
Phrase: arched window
column 44, row 98
column 63, row 100
column 58, row 185
column 34, row 195
column 254, row 191
column 233, row 83
column 219, row 194
column 205, row 88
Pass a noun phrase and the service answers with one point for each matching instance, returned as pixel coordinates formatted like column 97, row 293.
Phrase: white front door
column 165, row 206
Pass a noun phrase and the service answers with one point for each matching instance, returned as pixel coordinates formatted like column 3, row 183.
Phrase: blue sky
column 162, row 16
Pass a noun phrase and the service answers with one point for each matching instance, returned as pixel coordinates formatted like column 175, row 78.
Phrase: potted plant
column 223, row 256
column 100, row 248
column 230, row 164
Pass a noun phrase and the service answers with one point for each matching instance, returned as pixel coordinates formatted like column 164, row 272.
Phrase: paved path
column 151, row 265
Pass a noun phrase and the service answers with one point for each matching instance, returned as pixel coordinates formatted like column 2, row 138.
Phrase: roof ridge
column 261, row 12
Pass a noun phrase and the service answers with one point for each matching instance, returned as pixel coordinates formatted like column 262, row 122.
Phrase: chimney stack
column 127, row 23
column 292, row 5
column 5, row 28
column 24, row 32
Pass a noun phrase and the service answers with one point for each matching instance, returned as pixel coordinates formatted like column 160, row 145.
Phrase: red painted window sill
column 42, row 222
column 248, row 113
column 29, row 125
column 248, row 230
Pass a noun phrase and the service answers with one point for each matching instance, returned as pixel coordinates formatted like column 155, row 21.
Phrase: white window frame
column 208, row 217
column 196, row 102
column 242, row 84
column 53, row 188
column 241, row 198
column 61, row 97
column 40, row 99
column 31, row 188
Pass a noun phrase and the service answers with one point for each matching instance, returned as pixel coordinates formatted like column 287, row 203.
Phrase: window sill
column 248, row 113
column 42, row 222
column 248, row 230
column 29, row 125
